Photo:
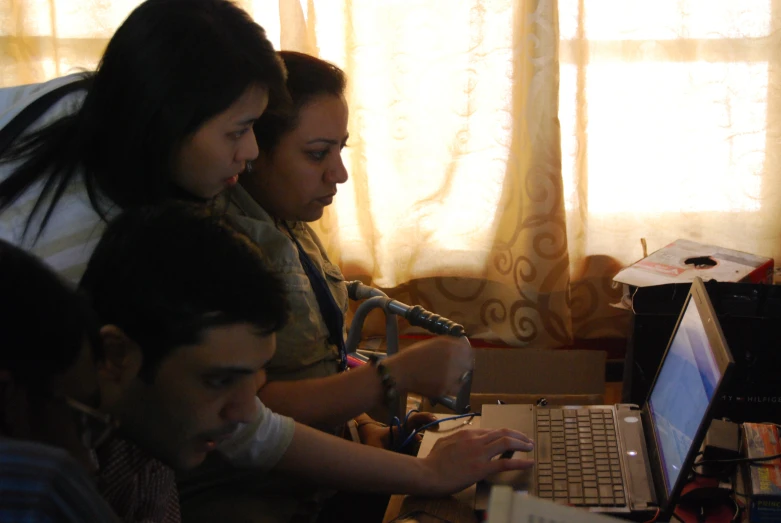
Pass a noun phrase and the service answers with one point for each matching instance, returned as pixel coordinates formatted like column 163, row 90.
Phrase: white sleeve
column 14, row 99
column 261, row 443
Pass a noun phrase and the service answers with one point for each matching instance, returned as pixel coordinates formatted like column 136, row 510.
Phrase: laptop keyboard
column 577, row 457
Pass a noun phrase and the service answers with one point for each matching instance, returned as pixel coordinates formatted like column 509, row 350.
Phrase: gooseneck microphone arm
column 416, row 316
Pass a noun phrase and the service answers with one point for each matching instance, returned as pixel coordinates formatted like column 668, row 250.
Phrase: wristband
column 389, row 392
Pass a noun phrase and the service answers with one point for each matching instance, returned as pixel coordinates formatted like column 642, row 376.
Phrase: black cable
column 750, row 461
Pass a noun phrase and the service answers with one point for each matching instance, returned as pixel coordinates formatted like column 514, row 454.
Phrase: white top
column 257, row 445
column 74, row 228
column 262, row 443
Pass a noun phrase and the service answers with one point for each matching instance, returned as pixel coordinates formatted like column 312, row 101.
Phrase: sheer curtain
column 460, row 198
column 455, row 199
column 670, row 114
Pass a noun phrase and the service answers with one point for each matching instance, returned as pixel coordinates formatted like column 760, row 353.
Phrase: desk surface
column 457, row 508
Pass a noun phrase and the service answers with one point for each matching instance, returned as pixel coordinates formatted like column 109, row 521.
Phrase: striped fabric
column 43, row 484
column 138, row 487
column 74, row 228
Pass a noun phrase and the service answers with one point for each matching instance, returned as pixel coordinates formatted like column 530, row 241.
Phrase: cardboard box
column 560, row 377
column 683, row 260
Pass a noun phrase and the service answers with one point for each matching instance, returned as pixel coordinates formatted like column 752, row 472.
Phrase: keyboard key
column 543, row 446
column 577, row 456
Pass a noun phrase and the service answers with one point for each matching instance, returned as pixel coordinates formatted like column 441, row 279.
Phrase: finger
column 418, row 419
column 506, row 444
column 493, row 434
column 501, row 465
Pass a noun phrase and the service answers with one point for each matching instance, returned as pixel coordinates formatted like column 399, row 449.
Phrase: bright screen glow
column 682, row 392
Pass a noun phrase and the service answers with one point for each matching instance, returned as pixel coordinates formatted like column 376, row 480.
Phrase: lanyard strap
column 330, row 311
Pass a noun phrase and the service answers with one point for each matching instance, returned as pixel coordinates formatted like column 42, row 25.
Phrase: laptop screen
column 683, row 391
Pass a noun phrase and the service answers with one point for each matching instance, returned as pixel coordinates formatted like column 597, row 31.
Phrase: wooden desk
column 458, row 508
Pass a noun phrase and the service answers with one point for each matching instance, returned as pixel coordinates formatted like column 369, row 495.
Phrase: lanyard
column 330, row 311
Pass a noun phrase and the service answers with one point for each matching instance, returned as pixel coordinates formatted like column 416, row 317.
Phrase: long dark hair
column 307, row 78
column 170, row 67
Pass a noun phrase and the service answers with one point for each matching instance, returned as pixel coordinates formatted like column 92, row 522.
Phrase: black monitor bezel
column 698, row 297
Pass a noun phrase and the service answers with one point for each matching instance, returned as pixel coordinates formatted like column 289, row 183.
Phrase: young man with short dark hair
column 189, row 313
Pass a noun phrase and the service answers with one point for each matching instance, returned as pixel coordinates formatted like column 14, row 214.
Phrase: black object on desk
column 750, row 316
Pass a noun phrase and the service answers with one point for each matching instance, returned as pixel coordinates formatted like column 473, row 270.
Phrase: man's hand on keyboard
column 466, row 457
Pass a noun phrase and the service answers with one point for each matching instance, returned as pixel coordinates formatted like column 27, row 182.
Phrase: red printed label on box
column 661, row 268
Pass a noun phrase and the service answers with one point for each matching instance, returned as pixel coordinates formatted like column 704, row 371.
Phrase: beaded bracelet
column 390, row 393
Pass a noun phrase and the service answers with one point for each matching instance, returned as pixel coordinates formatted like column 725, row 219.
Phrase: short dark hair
column 170, row 67
column 165, row 274
column 44, row 322
column 307, row 78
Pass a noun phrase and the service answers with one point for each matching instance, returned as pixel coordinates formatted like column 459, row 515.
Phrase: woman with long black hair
column 167, row 114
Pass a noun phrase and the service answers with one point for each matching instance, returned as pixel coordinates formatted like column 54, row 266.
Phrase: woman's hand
column 432, row 368
column 377, row 434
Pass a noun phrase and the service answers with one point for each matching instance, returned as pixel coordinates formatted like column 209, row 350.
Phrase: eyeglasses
column 95, row 426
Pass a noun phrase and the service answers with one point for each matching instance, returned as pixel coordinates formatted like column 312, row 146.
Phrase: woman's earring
column 248, row 169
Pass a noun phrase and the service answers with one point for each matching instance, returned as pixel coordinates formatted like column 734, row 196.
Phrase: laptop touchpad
column 516, row 417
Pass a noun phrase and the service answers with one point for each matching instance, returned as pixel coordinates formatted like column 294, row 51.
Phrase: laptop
column 622, row 459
